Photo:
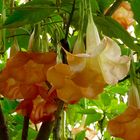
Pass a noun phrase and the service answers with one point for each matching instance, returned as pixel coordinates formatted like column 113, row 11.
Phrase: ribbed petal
column 114, row 66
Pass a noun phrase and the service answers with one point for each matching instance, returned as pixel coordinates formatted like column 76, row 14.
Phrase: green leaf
column 137, row 30
column 104, row 4
column 93, row 118
column 112, row 28
column 72, row 111
column 81, row 135
column 119, row 89
column 105, row 98
column 31, row 136
column 135, row 4
column 95, row 6
column 22, row 38
column 87, row 111
column 30, row 13
column 1, row 4
column 8, row 105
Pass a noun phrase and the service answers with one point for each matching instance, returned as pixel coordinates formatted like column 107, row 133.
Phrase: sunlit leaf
column 91, row 118
column 136, row 9
column 112, row 28
column 30, row 13
column 80, row 135
column 105, row 99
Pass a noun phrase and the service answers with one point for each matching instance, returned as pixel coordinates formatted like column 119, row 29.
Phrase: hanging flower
column 59, row 75
column 39, row 109
column 24, row 77
column 124, row 15
column 101, row 64
column 23, row 72
column 127, row 124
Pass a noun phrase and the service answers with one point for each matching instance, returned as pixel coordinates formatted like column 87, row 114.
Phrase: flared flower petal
column 39, row 109
column 127, row 125
column 13, row 89
column 59, row 76
column 23, row 74
column 114, row 66
column 29, row 67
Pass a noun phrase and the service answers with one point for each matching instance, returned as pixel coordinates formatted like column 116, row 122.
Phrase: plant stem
column 112, row 9
column 25, row 128
column 45, row 130
column 3, row 127
column 70, row 19
column 56, row 130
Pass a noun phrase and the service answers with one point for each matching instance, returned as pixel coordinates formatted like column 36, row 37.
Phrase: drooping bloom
column 40, row 109
column 24, row 77
column 127, row 124
column 59, row 75
column 101, row 64
column 23, row 72
column 124, row 15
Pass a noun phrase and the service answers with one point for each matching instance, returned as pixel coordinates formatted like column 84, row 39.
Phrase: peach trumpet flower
column 127, row 124
column 101, row 64
column 89, row 72
column 59, row 75
column 23, row 72
column 124, row 15
column 24, row 77
column 39, row 109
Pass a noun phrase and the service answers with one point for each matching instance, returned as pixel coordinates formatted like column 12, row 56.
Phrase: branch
column 56, row 130
column 113, row 8
column 70, row 19
column 45, row 131
column 3, row 127
column 25, row 128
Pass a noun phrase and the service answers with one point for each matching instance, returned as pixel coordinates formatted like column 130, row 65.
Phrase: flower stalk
column 3, row 128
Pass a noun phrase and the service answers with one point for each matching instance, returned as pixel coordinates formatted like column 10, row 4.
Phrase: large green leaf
column 8, row 105
column 91, row 118
column 104, row 4
column 105, row 98
column 112, row 28
column 81, row 135
column 87, row 111
column 30, row 13
column 135, row 4
column 0, row 6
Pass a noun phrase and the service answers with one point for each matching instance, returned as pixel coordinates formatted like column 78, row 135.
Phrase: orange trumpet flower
column 124, row 15
column 127, row 124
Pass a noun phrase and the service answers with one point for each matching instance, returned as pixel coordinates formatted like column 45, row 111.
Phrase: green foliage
column 0, row 6
column 104, row 4
column 113, row 29
column 30, row 13
column 80, row 135
column 136, row 10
